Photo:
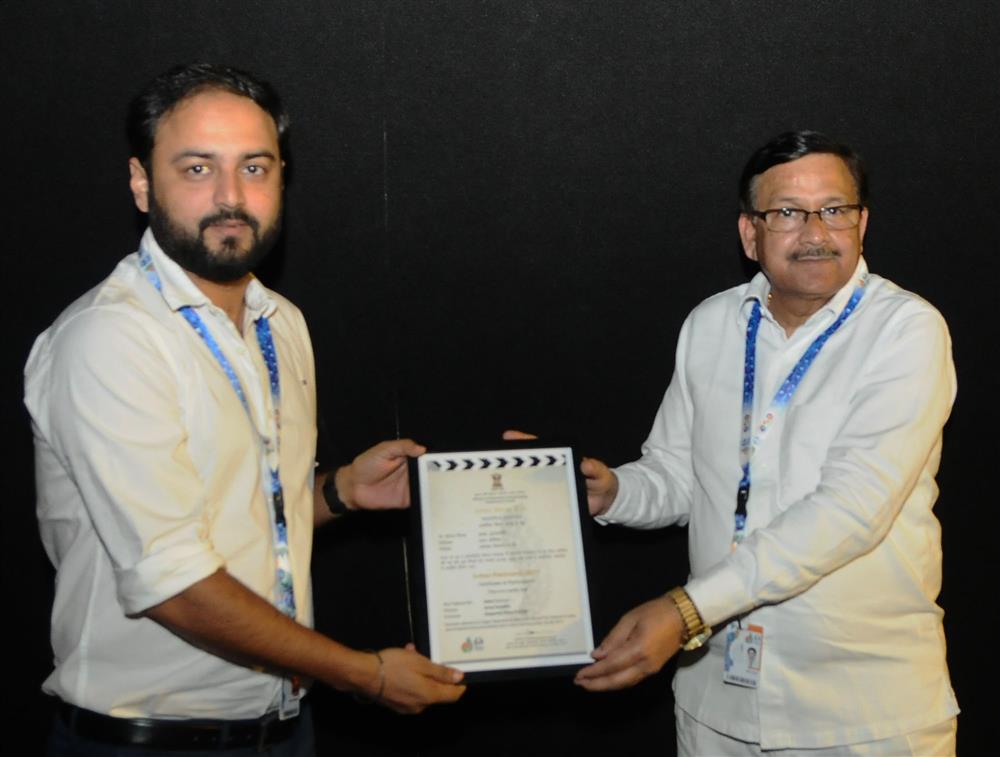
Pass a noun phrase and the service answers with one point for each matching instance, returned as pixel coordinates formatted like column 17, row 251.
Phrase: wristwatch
column 333, row 501
column 696, row 632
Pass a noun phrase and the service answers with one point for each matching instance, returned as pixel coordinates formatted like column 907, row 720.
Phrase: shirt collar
column 180, row 291
column 759, row 288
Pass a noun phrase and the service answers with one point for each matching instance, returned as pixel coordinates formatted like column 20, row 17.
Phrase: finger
column 442, row 673
column 616, row 638
column 412, row 449
column 592, row 468
column 622, row 667
column 615, row 662
column 514, row 435
column 619, row 680
column 404, row 490
column 426, row 693
column 587, row 673
column 600, row 671
column 433, row 693
column 446, row 693
column 400, row 448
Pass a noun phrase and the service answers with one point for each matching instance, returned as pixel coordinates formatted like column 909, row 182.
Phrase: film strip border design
column 472, row 462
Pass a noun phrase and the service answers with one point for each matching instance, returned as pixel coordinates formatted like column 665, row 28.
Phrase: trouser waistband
column 177, row 734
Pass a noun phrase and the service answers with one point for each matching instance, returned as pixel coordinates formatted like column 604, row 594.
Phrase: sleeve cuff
column 625, row 484
column 166, row 574
column 719, row 594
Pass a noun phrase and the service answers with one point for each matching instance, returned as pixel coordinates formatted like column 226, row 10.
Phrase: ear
column 138, row 182
column 863, row 224
column 748, row 236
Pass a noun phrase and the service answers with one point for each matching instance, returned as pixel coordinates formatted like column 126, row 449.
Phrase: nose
column 815, row 229
column 228, row 190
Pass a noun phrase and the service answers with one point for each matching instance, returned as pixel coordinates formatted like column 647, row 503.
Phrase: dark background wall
column 498, row 215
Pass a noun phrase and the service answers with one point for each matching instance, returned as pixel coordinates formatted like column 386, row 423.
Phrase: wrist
column 356, row 674
column 612, row 492
column 334, row 491
column 375, row 686
column 694, row 630
column 606, row 498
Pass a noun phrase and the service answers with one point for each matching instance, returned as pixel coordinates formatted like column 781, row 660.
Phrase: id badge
column 744, row 654
column 291, row 693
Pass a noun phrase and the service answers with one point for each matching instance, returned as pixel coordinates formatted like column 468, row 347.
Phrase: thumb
column 592, row 468
column 616, row 637
column 515, row 435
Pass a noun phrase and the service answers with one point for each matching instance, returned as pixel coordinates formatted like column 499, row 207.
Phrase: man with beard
column 798, row 440
column 174, row 415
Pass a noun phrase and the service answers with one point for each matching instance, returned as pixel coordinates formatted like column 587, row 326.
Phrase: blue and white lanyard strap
column 751, row 436
column 285, row 599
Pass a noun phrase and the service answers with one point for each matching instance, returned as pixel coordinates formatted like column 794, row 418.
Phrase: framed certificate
column 498, row 560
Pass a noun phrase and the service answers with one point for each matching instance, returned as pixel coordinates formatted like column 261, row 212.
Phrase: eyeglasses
column 837, row 218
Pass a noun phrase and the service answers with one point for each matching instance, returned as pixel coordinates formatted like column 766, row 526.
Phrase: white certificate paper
column 504, row 568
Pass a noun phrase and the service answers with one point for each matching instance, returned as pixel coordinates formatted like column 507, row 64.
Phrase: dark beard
column 191, row 254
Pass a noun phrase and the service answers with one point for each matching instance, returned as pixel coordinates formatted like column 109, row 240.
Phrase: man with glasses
column 798, row 440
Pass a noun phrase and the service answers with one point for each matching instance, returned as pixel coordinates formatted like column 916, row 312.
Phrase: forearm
column 223, row 617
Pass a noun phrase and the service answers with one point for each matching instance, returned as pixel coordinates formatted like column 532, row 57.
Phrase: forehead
column 216, row 122
column 819, row 176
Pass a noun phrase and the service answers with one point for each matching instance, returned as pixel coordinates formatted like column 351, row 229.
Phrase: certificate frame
column 498, row 560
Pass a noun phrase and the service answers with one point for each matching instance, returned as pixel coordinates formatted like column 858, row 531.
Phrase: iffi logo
column 472, row 644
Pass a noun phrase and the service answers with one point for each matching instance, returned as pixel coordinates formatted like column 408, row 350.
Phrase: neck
column 228, row 296
column 790, row 313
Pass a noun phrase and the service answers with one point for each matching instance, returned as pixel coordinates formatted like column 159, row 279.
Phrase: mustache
column 237, row 214
column 823, row 252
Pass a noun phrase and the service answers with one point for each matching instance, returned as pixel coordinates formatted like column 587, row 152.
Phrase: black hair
column 793, row 145
column 168, row 89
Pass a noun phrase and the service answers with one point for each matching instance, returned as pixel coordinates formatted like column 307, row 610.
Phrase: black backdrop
column 498, row 214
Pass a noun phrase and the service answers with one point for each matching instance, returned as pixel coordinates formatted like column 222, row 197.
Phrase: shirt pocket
column 809, row 433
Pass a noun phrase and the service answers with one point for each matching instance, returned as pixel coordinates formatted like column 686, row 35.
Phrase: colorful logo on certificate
column 472, row 644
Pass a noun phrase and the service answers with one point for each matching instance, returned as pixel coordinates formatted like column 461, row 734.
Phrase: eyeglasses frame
column 762, row 214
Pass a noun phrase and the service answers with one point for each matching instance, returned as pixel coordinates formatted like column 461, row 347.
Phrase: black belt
column 177, row 734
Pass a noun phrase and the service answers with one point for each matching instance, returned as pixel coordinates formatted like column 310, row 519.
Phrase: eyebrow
column 211, row 155
column 837, row 198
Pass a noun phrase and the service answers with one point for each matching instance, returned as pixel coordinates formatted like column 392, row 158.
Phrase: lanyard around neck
column 752, row 436
column 270, row 443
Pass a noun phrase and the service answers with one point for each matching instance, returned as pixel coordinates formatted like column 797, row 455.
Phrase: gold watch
column 696, row 632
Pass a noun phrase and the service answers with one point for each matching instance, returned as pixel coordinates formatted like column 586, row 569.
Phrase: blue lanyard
column 285, row 593
column 750, row 436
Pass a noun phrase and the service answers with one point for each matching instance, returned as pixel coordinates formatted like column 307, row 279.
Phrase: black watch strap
column 330, row 495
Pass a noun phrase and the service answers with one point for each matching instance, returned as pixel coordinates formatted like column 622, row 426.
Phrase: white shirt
column 150, row 478
column 842, row 564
